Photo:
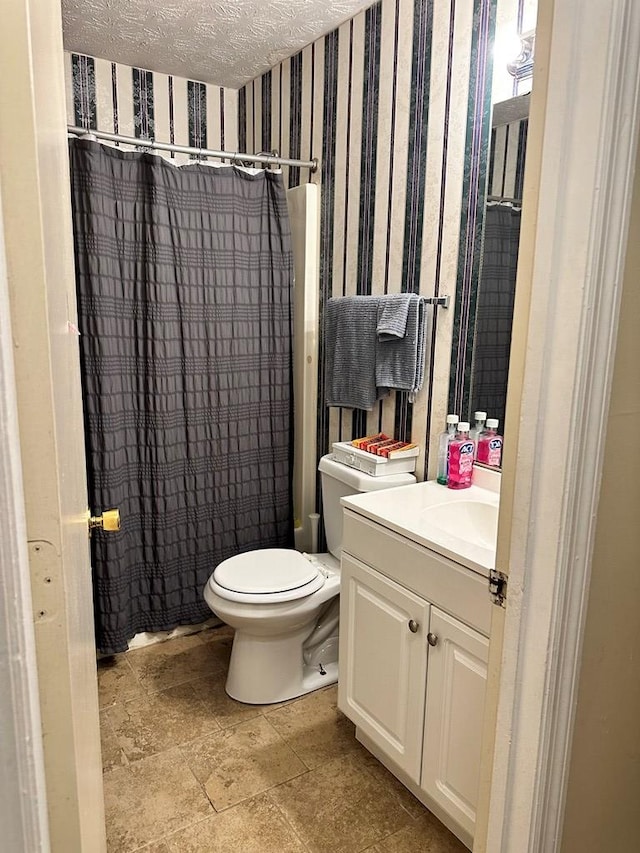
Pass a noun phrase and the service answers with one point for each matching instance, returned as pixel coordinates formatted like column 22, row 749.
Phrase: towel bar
column 442, row 301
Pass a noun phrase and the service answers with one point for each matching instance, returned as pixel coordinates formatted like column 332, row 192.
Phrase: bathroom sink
column 461, row 525
column 476, row 521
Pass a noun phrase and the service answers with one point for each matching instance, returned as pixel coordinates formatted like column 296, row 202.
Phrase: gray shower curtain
column 184, row 282
column 494, row 311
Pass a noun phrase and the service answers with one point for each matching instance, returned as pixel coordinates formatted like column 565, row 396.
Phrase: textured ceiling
column 225, row 43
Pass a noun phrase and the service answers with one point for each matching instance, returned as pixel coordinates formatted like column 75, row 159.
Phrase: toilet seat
column 266, row 576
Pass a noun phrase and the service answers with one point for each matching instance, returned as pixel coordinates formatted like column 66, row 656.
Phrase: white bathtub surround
column 148, row 638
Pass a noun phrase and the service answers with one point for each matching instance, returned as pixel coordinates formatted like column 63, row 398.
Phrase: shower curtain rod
column 267, row 159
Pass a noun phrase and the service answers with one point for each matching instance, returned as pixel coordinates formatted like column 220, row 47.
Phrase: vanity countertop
column 461, row 525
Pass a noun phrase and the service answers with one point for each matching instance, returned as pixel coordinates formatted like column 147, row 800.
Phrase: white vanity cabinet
column 456, row 682
column 413, row 664
column 382, row 681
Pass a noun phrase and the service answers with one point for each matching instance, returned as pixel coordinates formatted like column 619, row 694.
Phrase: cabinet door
column 383, row 661
column 456, row 685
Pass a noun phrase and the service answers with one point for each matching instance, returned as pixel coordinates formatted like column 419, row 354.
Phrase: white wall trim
column 590, row 139
column 23, row 802
column 601, row 308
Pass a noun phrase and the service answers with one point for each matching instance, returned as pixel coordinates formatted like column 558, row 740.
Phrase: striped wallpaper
column 104, row 95
column 396, row 103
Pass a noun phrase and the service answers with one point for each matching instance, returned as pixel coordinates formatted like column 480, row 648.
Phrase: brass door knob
column 109, row 520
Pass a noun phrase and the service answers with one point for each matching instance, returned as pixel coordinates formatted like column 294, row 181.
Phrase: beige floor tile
column 314, row 727
column 340, row 807
column 159, row 847
column 116, row 681
column 226, row 710
column 150, row 799
column 242, row 761
column 164, row 665
column 112, row 753
column 221, row 642
column 166, row 719
column 254, row 826
column 222, row 632
column 393, row 785
column 159, row 721
column 427, row 835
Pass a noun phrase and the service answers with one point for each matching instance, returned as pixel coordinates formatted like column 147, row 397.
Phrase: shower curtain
column 494, row 311
column 184, row 282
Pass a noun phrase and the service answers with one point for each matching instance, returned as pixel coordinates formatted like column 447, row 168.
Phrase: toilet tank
column 338, row 481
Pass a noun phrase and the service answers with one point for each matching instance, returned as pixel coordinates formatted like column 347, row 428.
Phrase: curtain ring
column 269, row 159
column 264, row 159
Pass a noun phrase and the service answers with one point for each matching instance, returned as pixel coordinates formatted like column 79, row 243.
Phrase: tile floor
column 189, row 770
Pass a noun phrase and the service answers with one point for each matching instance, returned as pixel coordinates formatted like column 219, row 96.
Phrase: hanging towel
column 350, row 352
column 421, row 349
column 393, row 310
column 400, row 361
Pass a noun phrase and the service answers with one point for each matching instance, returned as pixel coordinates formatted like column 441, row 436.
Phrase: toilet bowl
column 272, row 622
column 284, row 605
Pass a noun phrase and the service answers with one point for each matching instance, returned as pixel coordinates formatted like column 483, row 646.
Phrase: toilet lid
column 271, row 570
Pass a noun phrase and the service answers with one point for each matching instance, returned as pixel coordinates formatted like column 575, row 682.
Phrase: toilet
column 284, row 605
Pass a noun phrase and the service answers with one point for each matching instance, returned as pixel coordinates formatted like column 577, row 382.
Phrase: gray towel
column 421, row 349
column 400, row 361
column 350, row 352
column 392, row 315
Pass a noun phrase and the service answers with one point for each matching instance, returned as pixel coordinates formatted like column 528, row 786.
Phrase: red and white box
column 402, row 461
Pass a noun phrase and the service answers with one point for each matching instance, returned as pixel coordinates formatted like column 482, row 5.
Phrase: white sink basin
column 461, row 525
column 474, row 521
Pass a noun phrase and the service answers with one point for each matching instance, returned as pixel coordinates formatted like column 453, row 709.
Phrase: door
column 383, row 662
column 577, row 194
column 39, row 249
column 456, row 687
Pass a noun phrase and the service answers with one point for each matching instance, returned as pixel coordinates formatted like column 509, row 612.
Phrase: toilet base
column 267, row 670
column 312, row 679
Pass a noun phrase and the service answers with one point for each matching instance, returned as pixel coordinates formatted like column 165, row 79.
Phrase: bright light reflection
column 507, row 48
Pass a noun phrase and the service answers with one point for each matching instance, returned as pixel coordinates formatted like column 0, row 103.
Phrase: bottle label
column 490, row 451
column 466, row 458
column 495, row 452
column 460, row 464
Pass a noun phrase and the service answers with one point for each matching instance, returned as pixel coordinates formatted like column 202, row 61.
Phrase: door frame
column 24, row 824
column 38, row 240
column 575, row 221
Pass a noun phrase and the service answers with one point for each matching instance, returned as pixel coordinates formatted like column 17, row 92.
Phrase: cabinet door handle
column 413, row 626
column 432, row 639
